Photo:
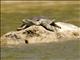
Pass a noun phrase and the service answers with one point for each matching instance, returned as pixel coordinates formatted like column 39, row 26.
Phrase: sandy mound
column 38, row 34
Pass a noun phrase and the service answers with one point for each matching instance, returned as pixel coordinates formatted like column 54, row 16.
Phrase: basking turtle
column 39, row 21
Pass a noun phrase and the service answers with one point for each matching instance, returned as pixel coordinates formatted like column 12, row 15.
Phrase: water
column 69, row 50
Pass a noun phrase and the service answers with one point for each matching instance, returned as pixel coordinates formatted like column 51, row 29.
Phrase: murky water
column 11, row 16
column 69, row 50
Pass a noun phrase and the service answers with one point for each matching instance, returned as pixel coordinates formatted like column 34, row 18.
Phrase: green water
column 13, row 13
column 69, row 50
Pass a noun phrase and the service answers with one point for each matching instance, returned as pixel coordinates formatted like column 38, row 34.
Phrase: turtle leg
column 55, row 25
column 48, row 27
column 21, row 27
column 24, row 26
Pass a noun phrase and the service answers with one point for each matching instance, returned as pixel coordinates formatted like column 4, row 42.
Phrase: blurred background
column 12, row 12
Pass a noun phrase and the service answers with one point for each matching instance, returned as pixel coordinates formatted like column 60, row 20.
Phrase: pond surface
column 69, row 50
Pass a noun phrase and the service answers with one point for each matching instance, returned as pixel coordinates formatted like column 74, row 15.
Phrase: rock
column 38, row 34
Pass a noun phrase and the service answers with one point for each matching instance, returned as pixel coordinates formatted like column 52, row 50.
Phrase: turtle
column 39, row 21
